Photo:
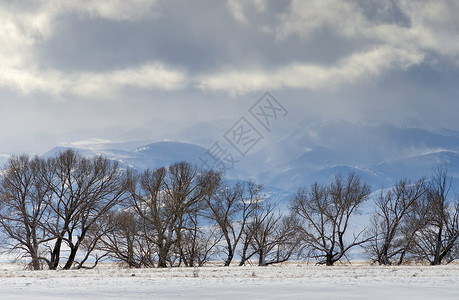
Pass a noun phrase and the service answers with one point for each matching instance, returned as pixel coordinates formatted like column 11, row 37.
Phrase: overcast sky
column 139, row 69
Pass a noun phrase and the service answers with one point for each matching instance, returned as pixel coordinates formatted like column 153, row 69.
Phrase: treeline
column 66, row 210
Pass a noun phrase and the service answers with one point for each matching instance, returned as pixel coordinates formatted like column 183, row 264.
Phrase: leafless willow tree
column 270, row 236
column 277, row 239
column 48, row 202
column 390, row 230
column 126, row 239
column 166, row 199
column 326, row 212
column 83, row 191
column 199, row 240
column 230, row 208
column 24, row 200
column 437, row 219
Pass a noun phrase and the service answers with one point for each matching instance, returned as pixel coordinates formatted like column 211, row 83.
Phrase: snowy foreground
column 289, row 281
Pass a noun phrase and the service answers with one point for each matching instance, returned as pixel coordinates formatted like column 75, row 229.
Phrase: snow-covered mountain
column 151, row 156
column 381, row 154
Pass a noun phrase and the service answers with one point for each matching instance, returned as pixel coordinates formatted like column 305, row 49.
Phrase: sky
column 147, row 69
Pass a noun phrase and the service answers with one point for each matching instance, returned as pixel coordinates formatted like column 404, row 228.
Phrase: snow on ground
column 289, row 281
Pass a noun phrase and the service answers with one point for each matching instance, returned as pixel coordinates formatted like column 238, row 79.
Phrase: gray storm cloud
column 89, row 69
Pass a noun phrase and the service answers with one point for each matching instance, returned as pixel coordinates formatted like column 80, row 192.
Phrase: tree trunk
column 74, row 249
column 438, row 245
column 162, row 262
column 230, row 257
column 36, row 263
column 71, row 259
column 35, row 253
column 162, row 253
column 402, row 257
column 383, row 257
column 55, row 255
column 329, row 260
column 244, row 254
column 261, row 258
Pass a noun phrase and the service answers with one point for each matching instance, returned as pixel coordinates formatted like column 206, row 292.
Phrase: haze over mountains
column 380, row 153
column 107, row 69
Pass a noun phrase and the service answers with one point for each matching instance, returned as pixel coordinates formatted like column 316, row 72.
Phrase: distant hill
column 381, row 154
column 151, row 156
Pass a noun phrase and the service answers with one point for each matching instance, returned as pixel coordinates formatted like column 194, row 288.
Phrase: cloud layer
column 350, row 56
column 388, row 41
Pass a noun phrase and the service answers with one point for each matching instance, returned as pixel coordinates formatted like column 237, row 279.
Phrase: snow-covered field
column 289, row 281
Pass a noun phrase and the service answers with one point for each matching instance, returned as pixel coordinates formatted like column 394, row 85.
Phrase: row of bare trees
column 67, row 210
column 50, row 204
column 181, row 216
column 416, row 221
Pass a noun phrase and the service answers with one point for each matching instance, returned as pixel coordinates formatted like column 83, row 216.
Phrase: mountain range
column 380, row 153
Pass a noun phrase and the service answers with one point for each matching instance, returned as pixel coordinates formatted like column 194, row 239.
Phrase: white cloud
column 21, row 31
column 238, row 8
column 24, row 29
column 98, row 85
column 306, row 16
column 150, row 76
column 433, row 28
column 433, row 24
column 27, row 25
column 359, row 66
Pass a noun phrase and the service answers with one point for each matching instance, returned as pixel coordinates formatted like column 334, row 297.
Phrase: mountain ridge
column 381, row 154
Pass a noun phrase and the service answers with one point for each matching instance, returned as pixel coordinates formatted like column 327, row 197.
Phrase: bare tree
column 98, row 234
column 270, row 236
column 164, row 199
column 230, row 208
column 83, row 190
column 285, row 240
column 389, row 243
column 437, row 217
column 126, row 239
column 23, row 207
column 326, row 211
column 186, row 187
column 199, row 240
column 149, row 202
